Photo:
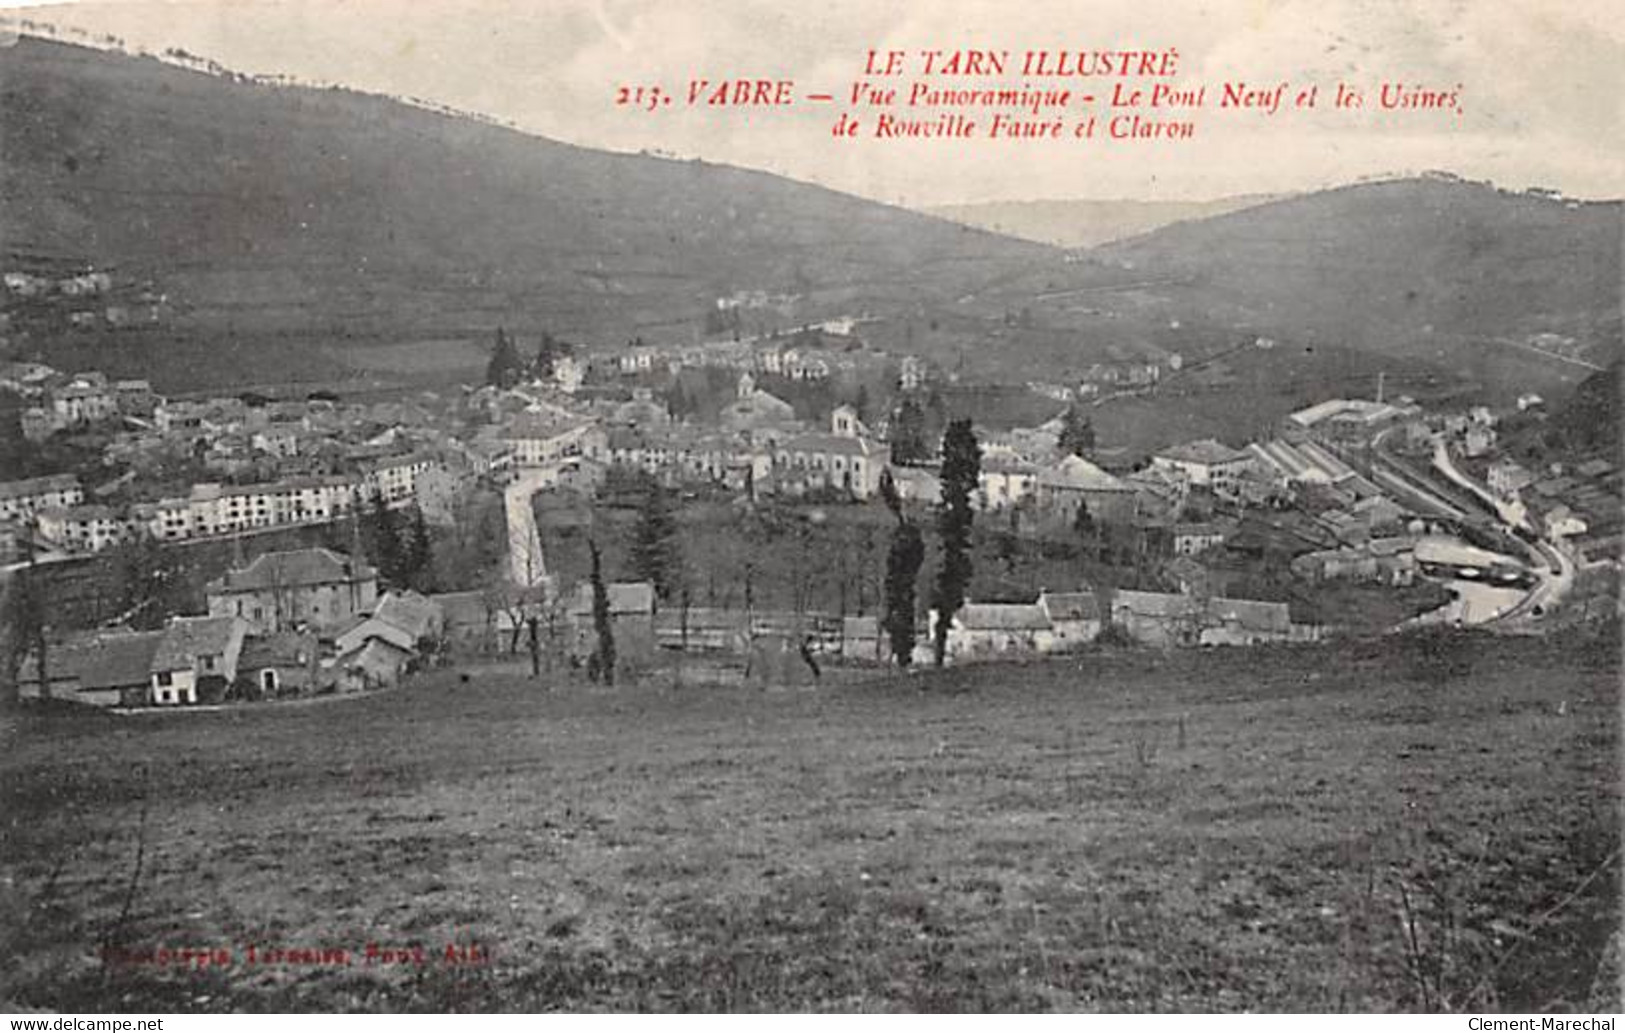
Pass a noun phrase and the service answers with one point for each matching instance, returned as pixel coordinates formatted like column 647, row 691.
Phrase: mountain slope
column 1433, row 268
column 1075, row 224
column 320, row 214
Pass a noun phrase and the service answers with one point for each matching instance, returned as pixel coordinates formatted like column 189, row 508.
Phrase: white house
column 544, row 439
column 997, row 629
column 1561, row 522
column 20, row 500
column 1206, row 463
column 1005, row 480
column 81, row 528
column 194, row 652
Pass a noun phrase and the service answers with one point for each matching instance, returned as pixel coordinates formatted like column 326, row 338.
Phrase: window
column 164, row 678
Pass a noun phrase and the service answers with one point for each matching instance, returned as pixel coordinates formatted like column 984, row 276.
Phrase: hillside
column 1517, row 290
column 1076, row 224
column 257, row 234
column 306, row 217
column 1216, row 830
column 1584, row 425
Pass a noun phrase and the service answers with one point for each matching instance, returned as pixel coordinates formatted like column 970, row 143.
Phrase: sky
column 1541, row 84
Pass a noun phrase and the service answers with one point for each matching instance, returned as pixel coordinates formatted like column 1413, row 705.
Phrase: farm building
column 1074, row 617
column 196, row 659
column 995, row 629
column 107, row 669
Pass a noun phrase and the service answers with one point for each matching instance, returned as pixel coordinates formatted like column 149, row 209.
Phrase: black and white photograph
column 749, row 506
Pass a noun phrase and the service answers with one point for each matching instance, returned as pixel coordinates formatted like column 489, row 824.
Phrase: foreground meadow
column 1397, row 825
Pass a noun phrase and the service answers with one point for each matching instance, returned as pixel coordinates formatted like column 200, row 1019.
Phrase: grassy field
column 1377, row 826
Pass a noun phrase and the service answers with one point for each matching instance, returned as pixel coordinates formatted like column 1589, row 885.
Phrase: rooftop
column 1003, row 617
column 103, row 661
column 1070, row 606
column 38, row 486
column 293, row 569
column 1207, row 452
column 187, row 638
column 1079, row 474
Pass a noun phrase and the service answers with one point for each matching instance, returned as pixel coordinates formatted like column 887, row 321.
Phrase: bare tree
column 24, row 618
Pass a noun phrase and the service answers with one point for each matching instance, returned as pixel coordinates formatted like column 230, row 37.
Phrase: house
column 1507, row 479
column 83, row 400
column 1158, row 618
column 1074, row 617
column 135, row 397
column 1206, row 463
column 1167, row 619
column 404, row 619
column 567, row 374
column 283, row 591
column 1192, row 538
column 541, row 439
column 394, row 478
column 280, row 664
column 1005, row 480
column 106, row 669
column 196, row 659
column 1560, row 522
column 1245, row 622
column 378, row 662
column 912, row 374
column 632, row 622
column 20, row 500
column 1389, row 561
column 1075, row 482
column 416, row 614
column 1478, row 440
column 358, row 631
column 997, row 629
column 81, row 528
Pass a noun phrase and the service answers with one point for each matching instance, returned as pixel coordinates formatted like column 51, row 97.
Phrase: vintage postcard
column 636, row 506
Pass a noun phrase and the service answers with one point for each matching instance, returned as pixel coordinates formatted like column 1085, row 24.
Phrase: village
column 522, row 509
column 1198, row 544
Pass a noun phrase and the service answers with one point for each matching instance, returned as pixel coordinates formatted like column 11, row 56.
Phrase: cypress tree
column 961, row 467
column 908, row 434
column 654, row 553
column 505, row 366
column 419, row 550
column 387, row 551
column 903, row 562
column 1077, row 432
column 604, row 655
